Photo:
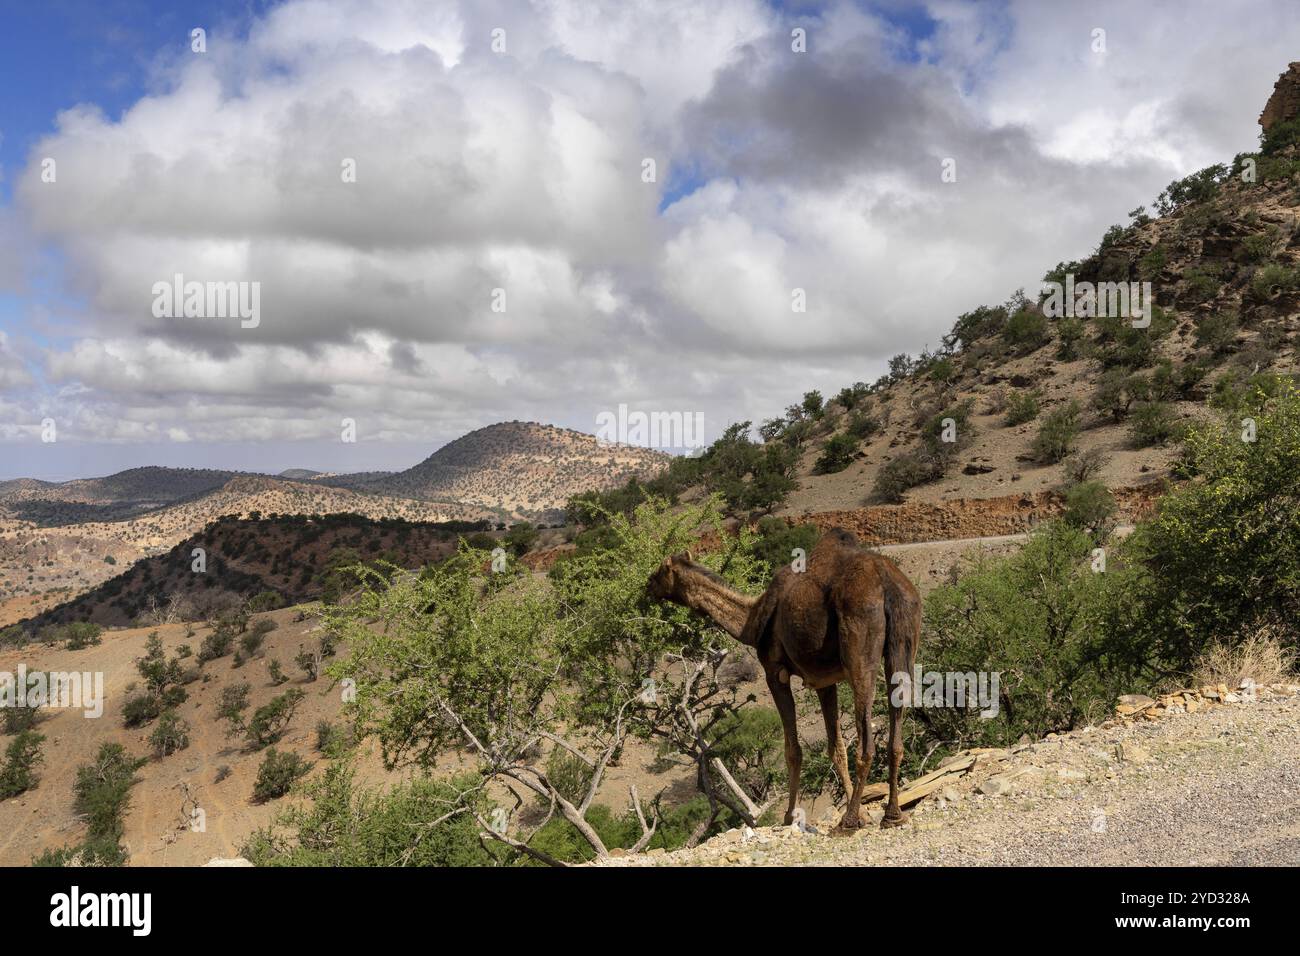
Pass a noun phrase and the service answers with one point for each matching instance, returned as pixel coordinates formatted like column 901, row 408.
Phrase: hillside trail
column 1214, row 788
column 1120, row 531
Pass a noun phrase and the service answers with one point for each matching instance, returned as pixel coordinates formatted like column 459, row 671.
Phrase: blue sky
column 55, row 54
column 816, row 171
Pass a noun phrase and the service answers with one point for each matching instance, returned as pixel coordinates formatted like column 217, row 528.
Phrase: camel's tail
column 903, row 611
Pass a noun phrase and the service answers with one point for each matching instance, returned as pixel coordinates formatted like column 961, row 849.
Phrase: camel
column 831, row 622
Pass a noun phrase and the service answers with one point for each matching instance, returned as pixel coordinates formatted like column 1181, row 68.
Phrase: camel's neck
column 724, row 607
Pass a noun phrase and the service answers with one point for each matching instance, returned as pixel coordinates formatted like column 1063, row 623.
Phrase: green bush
column 521, row 538
column 1089, row 506
column 277, row 774
column 231, row 706
column 851, row 396
column 265, row 601
column 1026, row 330
column 561, row 841
column 1057, row 433
column 14, row 720
column 1021, row 407
column 171, row 734
column 777, row 540
column 1199, row 187
column 252, row 642
column 1071, row 333
column 217, row 644
column 1114, row 393
column 1152, row 263
column 140, row 709
column 18, row 772
column 1153, row 423
column 1274, row 277
column 1222, row 553
column 974, row 326
column 751, row 743
column 837, row 454
column 943, row 370
column 345, row 825
column 162, row 680
column 861, row 425
column 82, row 634
column 1259, row 247
column 906, row 471
column 1032, row 619
column 1199, row 285
column 271, row 720
column 1280, row 136
column 102, row 795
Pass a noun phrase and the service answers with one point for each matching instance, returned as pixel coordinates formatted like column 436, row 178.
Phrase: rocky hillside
column 1220, row 255
column 522, row 468
column 63, row 561
column 291, row 555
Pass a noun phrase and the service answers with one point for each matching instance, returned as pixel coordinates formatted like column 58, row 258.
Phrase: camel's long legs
column 784, row 700
column 861, row 633
column 893, row 815
column 829, row 699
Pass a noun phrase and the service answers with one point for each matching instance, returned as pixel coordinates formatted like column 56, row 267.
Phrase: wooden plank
column 923, row 786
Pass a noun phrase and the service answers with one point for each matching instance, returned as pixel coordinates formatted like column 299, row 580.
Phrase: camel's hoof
column 847, row 827
column 888, row 823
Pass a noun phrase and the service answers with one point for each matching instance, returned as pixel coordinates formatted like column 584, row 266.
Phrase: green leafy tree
column 418, row 823
column 1222, row 553
column 1033, row 619
column 521, row 537
column 171, row 734
column 837, row 454
column 500, row 665
column 271, row 720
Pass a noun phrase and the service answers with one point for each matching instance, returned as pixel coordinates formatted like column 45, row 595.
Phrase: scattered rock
column 1136, row 700
column 997, row 786
column 1132, row 753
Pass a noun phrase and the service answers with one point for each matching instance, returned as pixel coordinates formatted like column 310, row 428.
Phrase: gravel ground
column 1218, row 787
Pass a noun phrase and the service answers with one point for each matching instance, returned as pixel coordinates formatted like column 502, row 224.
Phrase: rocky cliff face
column 1284, row 104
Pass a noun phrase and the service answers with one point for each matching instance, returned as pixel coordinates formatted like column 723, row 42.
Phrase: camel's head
column 665, row 583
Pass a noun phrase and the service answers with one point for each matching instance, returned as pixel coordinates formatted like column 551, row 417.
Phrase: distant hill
column 69, row 558
column 299, row 474
column 522, row 468
column 287, row 554
column 111, row 498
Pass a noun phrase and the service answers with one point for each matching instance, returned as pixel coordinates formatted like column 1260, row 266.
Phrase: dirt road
column 1208, row 789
